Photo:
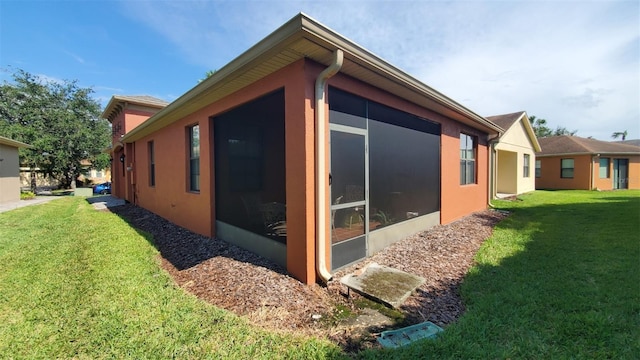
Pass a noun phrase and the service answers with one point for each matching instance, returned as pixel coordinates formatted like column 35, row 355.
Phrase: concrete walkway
column 22, row 203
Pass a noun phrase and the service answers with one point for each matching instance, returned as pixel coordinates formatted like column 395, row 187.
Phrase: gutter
column 321, row 160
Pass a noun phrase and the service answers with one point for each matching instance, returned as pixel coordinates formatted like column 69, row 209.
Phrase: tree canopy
column 621, row 134
column 59, row 119
column 542, row 130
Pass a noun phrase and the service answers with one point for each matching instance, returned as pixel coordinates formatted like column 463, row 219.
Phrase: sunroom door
column 348, row 184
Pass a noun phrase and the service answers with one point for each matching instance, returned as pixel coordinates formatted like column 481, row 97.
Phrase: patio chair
column 274, row 217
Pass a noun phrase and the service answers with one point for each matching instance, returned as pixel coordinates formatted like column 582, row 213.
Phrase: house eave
column 590, row 153
column 14, row 143
column 303, row 37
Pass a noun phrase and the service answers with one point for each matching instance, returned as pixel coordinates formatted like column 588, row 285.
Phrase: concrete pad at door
column 383, row 284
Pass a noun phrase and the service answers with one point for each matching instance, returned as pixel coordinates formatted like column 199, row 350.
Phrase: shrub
column 27, row 195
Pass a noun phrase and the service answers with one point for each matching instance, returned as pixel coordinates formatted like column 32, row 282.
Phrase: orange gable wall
column 135, row 118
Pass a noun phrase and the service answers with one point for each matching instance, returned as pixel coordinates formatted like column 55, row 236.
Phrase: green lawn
column 77, row 283
column 560, row 278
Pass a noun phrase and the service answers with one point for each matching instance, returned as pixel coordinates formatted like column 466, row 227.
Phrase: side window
column 525, row 165
column 566, row 170
column 538, row 168
column 194, row 157
column 604, row 168
column 467, row 159
column 152, row 164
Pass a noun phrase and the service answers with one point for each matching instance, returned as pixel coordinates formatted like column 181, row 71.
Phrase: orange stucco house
column 306, row 149
column 572, row 162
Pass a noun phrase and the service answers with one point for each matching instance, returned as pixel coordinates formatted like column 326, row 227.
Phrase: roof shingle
column 565, row 144
column 506, row 120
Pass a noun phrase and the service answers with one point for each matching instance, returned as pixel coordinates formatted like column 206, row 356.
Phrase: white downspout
column 321, row 169
column 492, row 168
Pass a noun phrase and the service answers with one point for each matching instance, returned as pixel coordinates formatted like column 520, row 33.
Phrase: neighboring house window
column 194, row 158
column 467, row 159
column 525, row 168
column 566, row 168
column 604, row 168
column 98, row 174
column 152, row 165
column 538, row 168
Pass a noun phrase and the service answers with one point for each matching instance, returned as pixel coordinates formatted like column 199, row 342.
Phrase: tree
column 561, row 130
column 618, row 134
column 207, row 75
column 541, row 129
column 59, row 119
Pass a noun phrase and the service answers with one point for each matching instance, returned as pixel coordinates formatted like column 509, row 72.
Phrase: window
column 538, row 169
column 152, row 164
column 604, row 168
column 467, row 159
column 194, row 158
column 525, row 165
column 99, row 174
column 566, row 168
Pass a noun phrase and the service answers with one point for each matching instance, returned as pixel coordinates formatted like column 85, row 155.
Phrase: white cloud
column 574, row 63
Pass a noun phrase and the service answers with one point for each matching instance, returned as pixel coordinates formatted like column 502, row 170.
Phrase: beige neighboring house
column 10, row 169
column 514, row 170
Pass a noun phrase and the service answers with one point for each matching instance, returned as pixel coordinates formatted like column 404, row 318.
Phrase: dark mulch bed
column 249, row 285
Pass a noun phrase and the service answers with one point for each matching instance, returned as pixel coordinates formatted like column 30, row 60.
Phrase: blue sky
column 574, row 63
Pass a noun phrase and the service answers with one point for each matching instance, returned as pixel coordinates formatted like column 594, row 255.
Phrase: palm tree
column 618, row 134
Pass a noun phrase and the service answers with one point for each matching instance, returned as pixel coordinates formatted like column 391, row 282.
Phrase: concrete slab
column 383, row 284
column 104, row 202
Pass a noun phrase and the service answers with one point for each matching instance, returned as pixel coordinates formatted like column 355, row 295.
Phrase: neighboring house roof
column 303, row 37
column 118, row 102
column 14, row 143
column 635, row 142
column 506, row 121
column 575, row 145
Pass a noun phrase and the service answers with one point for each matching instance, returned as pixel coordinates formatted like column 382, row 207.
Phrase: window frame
column 152, row 163
column 538, row 169
column 526, row 165
column 193, row 172
column 465, row 161
column 564, row 168
column 608, row 168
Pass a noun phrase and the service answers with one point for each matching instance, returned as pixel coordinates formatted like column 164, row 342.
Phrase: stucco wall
column 586, row 173
column 461, row 200
column 507, row 177
column 9, row 174
column 196, row 211
column 607, row 183
column 511, row 175
column 550, row 173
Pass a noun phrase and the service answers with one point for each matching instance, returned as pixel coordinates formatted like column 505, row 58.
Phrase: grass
column 76, row 283
column 560, row 278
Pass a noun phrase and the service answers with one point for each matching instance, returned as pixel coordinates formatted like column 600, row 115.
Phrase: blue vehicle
column 104, row 188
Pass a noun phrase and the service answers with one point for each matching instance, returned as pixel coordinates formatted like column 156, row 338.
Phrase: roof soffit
column 303, row 37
